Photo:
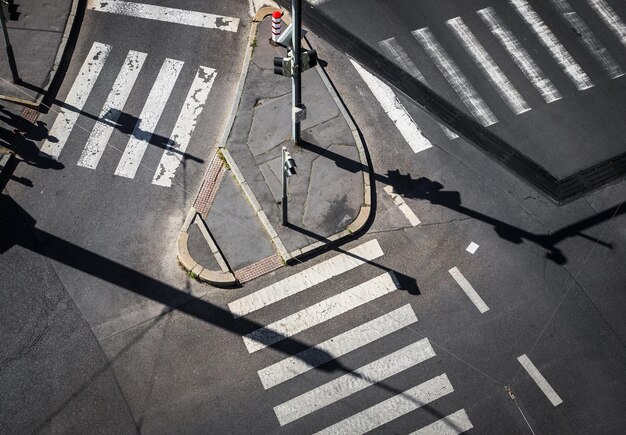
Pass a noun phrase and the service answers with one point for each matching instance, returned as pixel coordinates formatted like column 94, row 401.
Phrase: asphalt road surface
column 472, row 303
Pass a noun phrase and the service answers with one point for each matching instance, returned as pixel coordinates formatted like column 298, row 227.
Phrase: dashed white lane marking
column 320, row 312
column 354, row 381
column 550, row 41
column 519, row 54
column 453, row 424
column 76, row 98
column 392, row 408
column 399, row 57
column 161, row 13
column 472, row 248
column 455, row 77
column 337, row 346
column 404, row 208
column 489, row 68
column 149, row 118
column 469, row 290
column 101, row 133
column 395, row 110
column 185, row 125
column 540, row 380
column 589, row 40
column 307, row 278
column 610, row 18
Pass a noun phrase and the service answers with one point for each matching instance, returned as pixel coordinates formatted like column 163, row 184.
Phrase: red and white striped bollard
column 276, row 24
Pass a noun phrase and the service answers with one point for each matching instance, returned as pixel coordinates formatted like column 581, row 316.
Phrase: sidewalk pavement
column 233, row 233
column 38, row 36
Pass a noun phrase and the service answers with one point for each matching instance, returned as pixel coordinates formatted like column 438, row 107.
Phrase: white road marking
column 353, row 382
column 76, row 98
column 469, row 290
column 610, row 18
column 337, row 346
column 101, row 133
column 399, row 57
column 519, row 54
column 185, row 125
column 149, row 118
column 589, row 40
column 404, row 208
column 395, row 407
column 161, row 13
column 472, row 248
column 489, row 68
column 395, row 110
column 320, row 312
column 397, row 54
column 455, row 77
column 540, row 380
column 307, row 278
column 550, row 41
column 453, row 424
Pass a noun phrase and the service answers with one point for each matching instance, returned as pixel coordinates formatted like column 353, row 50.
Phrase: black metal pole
column 10, row 56
column 296, row 8
column 283, row 202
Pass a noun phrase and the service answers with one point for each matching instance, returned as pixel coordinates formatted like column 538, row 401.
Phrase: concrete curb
column 36, row 103
column 218, row 279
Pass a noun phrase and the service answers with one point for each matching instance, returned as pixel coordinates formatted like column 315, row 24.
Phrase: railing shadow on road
column 21, row 231
column 21, row 138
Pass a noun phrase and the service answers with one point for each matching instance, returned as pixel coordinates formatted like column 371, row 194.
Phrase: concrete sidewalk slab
column 39, row 37
column 329, row 197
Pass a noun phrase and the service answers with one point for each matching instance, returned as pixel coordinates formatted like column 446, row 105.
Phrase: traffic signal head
column 10, row 10
column 290, row 165
column 283, row 66
column 308, row 59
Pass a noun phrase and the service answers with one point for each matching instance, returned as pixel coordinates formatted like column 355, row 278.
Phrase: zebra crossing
column 155, row 103
column 364, row 335
column 465, row 29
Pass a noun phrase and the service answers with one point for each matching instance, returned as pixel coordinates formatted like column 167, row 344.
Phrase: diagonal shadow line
column 432, row 191
column 67, row 253
column 559, row 191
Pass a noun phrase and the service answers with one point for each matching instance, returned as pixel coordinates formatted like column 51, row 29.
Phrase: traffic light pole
column 283, row 202
column 10, row 56
column 296, row 85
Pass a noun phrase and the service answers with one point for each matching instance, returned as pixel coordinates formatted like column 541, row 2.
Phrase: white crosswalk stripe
column 550, row 41
column 612, row 20
column 393, row 408
column 320, row 312
column 519, row 54
column 593, row 45
column 466, row 92
column 395, row 110
column 75, row 100
column 149, row 118
column 161, row 13
column 453, row 424
column 488, row 67
column 112, row 109
column 365, row 378
column 337, row 346
column 354, row 381
column 108, row 120
column 397, row 54
column 308, row 278
column 185, row 126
